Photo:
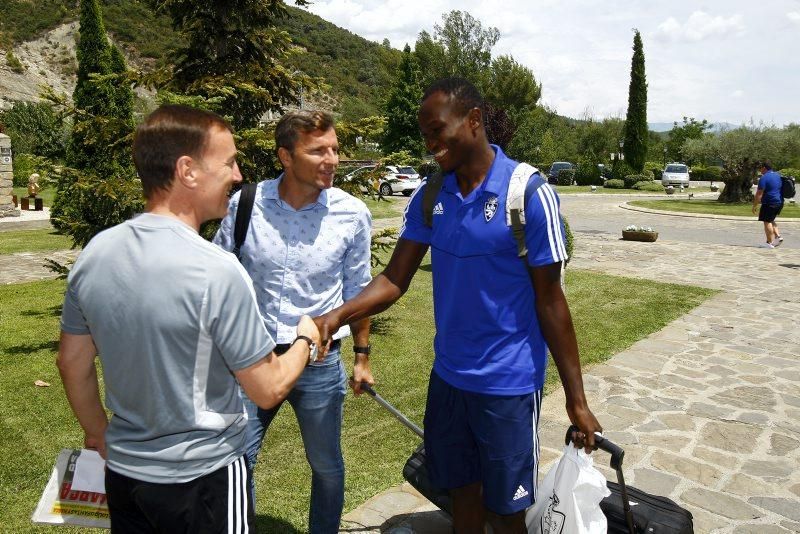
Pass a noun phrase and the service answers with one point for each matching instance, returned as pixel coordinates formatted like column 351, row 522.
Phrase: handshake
column 317, row 332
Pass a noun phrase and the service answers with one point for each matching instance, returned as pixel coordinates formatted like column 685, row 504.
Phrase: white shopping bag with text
column 568, row 499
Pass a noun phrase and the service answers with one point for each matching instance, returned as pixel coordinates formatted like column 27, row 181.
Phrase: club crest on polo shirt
column 490, row 208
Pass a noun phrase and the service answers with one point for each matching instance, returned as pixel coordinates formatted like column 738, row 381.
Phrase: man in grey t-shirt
column 175, row 322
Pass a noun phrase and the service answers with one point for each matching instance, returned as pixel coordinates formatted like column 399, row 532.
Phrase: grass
column 571, row 189
column 610, row 314
column 384, row 209
column 46, row 194
column 43, row 240
column 712, row 207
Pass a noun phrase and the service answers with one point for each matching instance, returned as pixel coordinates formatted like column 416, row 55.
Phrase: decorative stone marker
column 7, row 208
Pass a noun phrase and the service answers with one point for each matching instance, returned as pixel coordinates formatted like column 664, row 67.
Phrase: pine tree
column 98, row 188
column 402, row 129
column 635, row 148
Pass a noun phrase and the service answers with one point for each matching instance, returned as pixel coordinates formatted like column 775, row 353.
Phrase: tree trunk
column 738, row 180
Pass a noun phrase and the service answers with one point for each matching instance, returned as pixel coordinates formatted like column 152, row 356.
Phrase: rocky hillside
column 37, row 47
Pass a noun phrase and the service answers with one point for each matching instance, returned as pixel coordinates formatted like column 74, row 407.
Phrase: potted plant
column 639, row 233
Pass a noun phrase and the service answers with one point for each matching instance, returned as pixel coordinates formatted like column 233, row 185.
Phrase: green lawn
column 712, row 207
column 571, row 189
column 35, row 423
column 384, row 209
column 46, row 194
column 41, row 240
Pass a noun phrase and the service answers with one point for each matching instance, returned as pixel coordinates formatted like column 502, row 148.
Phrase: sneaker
column 767, row 245
column 775, row 243
column 780, row 239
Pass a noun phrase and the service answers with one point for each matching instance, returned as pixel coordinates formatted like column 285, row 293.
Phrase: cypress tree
column 402, row 129
column 635, row 148
column 98, row 189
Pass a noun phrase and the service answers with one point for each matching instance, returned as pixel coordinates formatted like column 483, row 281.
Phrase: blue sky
column 732, row 61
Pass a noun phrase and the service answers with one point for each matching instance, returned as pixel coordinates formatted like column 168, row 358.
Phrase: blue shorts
column 491, row 439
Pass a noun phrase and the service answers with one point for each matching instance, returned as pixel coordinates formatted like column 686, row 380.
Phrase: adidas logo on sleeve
column 521, row 492
column 438, row 209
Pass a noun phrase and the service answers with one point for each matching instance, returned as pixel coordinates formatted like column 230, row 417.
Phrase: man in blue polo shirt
column 768, row 196
column 495, row 317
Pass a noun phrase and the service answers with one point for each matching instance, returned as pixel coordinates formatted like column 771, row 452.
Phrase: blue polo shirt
column 770, row 182
column 488, row 338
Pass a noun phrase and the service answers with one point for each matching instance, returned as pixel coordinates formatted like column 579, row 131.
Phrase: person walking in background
column 176, row 326
column 769, row 203
column 308, row 250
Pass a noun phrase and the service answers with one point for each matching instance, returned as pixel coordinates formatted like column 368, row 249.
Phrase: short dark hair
column 287, row 132
column 168, row 133
column 463, row 93
column 767, row 164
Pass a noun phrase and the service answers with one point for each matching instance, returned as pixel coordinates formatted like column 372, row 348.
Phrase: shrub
column 648, row 186
column 700, row 172
column 566, row 176
column 620, row 169
column 13, row 63
column 632, row 179
column 569, row 238
column 588, row 174
column 655, row 168
column 789, row 171
column 24, row 166
column 614, row 184
column 35, row 128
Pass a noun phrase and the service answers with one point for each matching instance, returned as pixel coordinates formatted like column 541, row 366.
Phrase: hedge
column 614, row 184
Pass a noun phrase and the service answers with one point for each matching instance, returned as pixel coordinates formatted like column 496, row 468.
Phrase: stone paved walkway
column 707, row 409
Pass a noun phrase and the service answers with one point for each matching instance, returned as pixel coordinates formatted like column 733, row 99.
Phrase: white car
column 675, row 174
column 398, row 179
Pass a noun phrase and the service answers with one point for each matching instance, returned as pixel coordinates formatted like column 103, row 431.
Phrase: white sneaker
column 780, row 239
column 776, row 243
column 767, row 245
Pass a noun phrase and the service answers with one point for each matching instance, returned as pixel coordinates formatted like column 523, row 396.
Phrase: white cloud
column 699, row 63
column 699, row 26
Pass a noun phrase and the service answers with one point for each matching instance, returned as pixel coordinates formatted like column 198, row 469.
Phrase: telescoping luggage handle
column 617, row 455
column 394, row 411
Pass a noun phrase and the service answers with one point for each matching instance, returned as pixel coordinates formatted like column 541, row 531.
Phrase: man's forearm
column 559, row 333
column 83, row 394
column 360, row 331
column 379, row 294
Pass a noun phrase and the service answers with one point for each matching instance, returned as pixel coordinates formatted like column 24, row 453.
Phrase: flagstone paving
column 707, row 409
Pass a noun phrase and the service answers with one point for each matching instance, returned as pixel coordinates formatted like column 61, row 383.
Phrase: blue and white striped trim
column 554, row 235
column 237, row 497
column 537, row 409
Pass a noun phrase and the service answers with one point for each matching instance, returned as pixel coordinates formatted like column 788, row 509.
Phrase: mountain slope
column 357, row 72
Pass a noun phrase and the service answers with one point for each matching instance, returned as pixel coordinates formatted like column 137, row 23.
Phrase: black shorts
column 768, row 212
column 218, row 502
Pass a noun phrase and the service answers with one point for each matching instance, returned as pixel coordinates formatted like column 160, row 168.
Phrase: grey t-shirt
column 172, row 316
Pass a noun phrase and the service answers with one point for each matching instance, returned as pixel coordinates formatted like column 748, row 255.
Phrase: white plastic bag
column 568, row 499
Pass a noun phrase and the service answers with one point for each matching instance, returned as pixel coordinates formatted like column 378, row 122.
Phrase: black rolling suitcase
column 415, row 471
column 628, row 510
column 633, row 511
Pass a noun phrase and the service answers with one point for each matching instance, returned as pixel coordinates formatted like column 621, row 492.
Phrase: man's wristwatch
column 361, row 350
column 312, row 347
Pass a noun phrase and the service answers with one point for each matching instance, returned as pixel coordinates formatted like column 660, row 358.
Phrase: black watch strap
column 361, row 350
column 304, row 338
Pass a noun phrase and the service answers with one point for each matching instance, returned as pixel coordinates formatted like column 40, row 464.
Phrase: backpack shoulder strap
column 523, row 183
column 433, row 185
column 247, row 198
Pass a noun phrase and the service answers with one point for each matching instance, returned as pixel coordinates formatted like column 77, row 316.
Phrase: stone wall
column 7, row 208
